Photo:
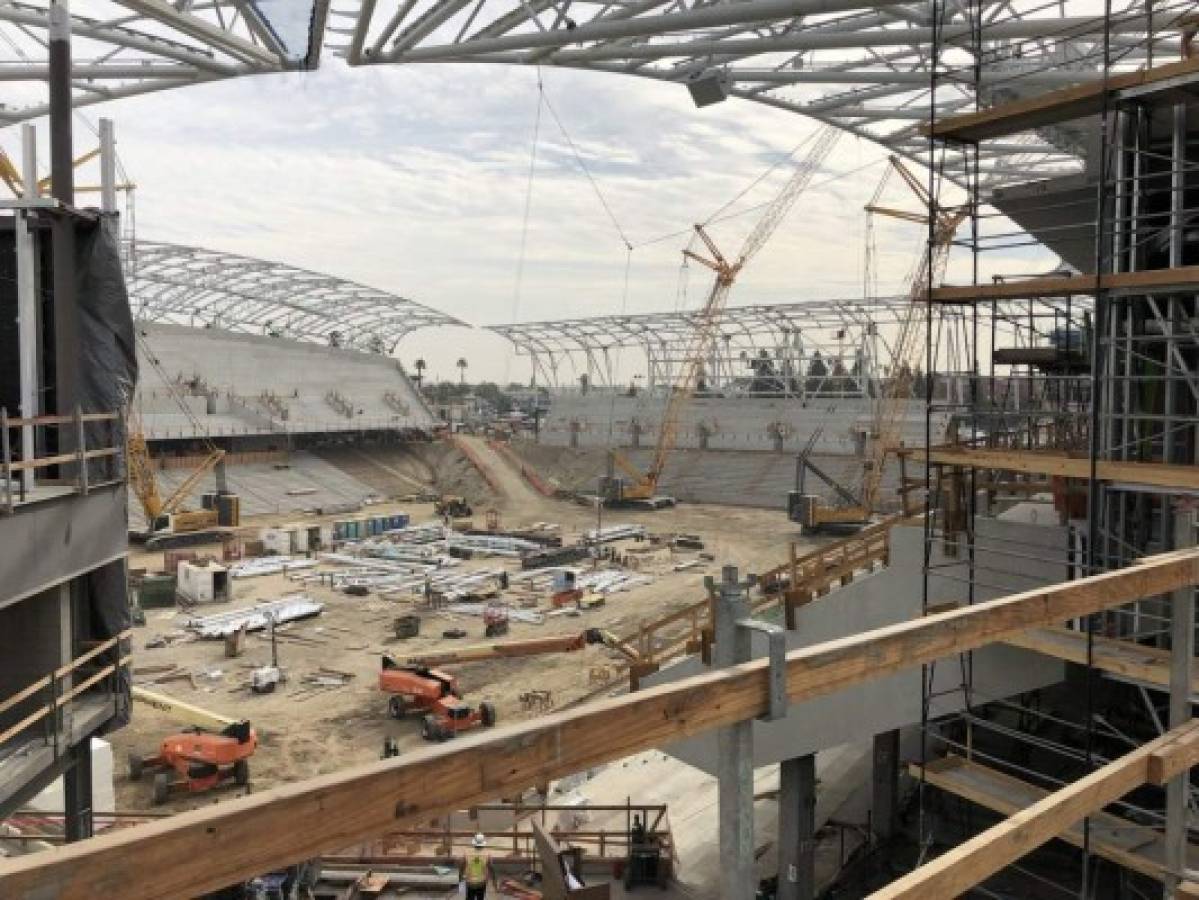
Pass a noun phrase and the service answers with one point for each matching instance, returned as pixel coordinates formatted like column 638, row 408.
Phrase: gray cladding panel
column 885, row 598
column 45, row 543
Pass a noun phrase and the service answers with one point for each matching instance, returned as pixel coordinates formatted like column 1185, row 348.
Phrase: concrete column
column 77, row 793
column 1182, row 655
column 797, row 828
column 735, row 749
column 66, row 646
column 884, row 804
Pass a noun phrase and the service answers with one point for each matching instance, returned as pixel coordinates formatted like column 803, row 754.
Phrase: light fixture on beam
column 708, row 87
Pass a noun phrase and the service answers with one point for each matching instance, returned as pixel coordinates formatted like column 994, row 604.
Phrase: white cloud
column 413, row 179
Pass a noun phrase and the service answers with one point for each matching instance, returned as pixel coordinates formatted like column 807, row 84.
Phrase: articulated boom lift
column 856, row 510
column 642, row 487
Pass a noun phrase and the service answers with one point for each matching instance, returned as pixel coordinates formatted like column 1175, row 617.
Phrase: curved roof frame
column 624, row 331
column 174, row 283
column 863, row 65
column 818, row 323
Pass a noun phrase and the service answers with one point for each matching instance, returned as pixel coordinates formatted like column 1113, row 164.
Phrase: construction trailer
column 203, row 582
column 295, row 539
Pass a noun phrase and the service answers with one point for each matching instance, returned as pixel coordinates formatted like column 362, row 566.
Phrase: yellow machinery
column 810, row 510
column 168, row 516
column 641, row 488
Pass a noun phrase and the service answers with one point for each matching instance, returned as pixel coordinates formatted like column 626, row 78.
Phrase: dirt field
column 303, row 733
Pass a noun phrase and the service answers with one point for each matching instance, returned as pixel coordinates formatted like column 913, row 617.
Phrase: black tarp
column 107, row 379
column 108, row 348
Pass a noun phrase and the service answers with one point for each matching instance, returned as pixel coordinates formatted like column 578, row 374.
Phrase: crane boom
column 181, row 711
column 707, row 319
column 141, row 468
column 907, row 352
column 142, row 477
column 896, row 393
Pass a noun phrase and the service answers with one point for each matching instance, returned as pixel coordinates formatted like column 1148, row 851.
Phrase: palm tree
column 420, row 365
column 461, row 370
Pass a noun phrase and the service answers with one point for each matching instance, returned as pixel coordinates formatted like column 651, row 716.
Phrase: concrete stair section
column 238, row 369
column 308, row 482
column 389, row 471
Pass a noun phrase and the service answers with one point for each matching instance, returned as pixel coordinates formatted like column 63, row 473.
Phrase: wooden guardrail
column 452, row 837
column 953, row 873
column 61, row 694
column 79, row 456
column 214, row 846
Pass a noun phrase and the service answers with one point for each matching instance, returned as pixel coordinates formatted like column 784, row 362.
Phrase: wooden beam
column 1134, row 846
column 1174, row 756
column 1035, row 462
column 1060, row 105
column 1148, row 281
column 218, row 845
column 971, row 863
column 1125, row 658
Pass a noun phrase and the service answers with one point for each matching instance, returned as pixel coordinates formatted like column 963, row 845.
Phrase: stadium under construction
column 864, row 593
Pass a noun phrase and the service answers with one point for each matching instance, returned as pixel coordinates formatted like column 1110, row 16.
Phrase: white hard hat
column 479, row 840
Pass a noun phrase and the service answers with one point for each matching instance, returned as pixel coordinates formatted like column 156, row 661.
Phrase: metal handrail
column 80, row 455
column 62, row 694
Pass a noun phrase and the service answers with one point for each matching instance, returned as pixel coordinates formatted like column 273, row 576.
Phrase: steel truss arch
column 194, row 286
column 863, row 65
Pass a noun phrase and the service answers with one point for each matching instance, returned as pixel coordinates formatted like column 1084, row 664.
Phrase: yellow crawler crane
column 169, row 516
column 641, row 488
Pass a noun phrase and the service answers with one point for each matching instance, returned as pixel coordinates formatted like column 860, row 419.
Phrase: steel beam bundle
column 255, row 618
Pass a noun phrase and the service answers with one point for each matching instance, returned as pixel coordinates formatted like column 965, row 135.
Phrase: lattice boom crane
column 643, row 487
column 808, row 509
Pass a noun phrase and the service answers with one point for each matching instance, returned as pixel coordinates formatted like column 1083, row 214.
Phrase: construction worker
column 476, row 868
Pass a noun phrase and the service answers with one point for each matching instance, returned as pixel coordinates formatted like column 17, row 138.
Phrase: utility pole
column 77, row 792
column 62, row 177
column 62, row 161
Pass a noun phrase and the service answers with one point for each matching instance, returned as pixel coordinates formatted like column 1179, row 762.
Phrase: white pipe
column 108, row 173
column 705, row 17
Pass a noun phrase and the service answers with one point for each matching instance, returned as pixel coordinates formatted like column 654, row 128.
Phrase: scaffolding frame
column 1124, row 386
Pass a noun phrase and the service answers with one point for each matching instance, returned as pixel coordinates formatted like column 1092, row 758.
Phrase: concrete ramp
column 887, row 597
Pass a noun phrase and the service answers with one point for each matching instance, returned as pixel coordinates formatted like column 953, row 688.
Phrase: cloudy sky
column 414, row 180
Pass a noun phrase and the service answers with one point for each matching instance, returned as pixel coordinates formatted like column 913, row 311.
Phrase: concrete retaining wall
column 722, row 423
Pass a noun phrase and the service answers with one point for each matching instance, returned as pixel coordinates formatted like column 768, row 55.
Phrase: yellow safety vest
column 476, row 870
